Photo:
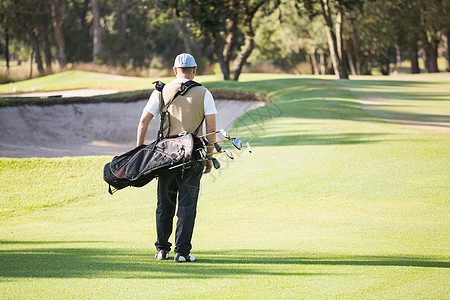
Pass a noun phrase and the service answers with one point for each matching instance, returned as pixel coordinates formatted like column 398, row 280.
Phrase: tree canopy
column 340, row 37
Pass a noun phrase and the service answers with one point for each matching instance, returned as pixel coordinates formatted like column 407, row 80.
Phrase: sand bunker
column 86, row 129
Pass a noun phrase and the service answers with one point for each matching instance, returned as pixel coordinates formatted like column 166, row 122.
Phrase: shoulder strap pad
column 159, row 85
column 187, row 85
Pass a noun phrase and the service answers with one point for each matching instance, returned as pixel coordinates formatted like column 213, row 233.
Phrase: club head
column 236, row 143
column 202, row 153
column 229, row 154
column 215, row 162
column 205, row 141
column 249, row 148
column 218, row 147
column 224, row 134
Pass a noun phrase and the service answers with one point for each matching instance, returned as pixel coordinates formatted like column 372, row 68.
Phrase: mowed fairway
column 346, row 195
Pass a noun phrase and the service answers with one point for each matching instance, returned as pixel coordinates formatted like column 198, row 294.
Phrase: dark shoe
column 183, row 258
column 162, row 255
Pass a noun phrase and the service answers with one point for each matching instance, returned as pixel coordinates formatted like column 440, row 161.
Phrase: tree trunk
column 431, row 54
column 97, row 31
column 122, row 18
column 333, row 51
column 398, row 58
column 446, row 40
column 85, row 38
column 45, row 29
column 323, row 68
column 224, row 69
column 37, row 51
column 351, row 62
column 434, row 56
column 7, row 48
column 47, row 54
column 249, row 45
column 414, row 62
column 342, row 58
column 334, row 40
column 414, row 57
column 384, row 67
column 58, row 20
column 314, row 63
column 232, row 26
column 357, row 55
column 31, row 63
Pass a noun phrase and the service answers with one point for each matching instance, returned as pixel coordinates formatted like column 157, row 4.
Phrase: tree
column 434, row 18
column 446, row 40
column 97, row 31
column 250, row 8
column 334, row 36
column 5, row 21
column 223, row 22
column 122, row 18
column 58, row 16
column 372, row 37
column 30, row 18
column 332, row 12
column 77, row 31
column 208, row 18
column 289, row 36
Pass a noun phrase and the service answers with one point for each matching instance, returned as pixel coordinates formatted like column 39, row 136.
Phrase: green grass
column 91, row 80
column 339, row 199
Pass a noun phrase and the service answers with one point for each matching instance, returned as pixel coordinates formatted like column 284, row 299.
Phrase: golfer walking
column 186, row 113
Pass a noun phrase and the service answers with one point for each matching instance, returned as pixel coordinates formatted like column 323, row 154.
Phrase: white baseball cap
column 184, row 60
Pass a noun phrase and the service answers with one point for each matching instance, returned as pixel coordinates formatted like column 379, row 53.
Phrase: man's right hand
column 207, row 166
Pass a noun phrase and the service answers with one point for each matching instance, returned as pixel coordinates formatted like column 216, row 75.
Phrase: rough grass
column 338, row 200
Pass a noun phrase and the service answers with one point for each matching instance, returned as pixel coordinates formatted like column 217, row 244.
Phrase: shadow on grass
column 321, row 99
column 318, row 139
column 73, row 262
column 307, row 87
column 329, row 109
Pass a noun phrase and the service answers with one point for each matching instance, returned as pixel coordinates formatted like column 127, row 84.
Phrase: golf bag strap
column 185, row 86
column 163, row 114
column 198, row 128
column 159, row 85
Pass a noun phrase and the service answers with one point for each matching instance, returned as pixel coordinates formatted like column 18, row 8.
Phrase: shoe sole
column 191, row 259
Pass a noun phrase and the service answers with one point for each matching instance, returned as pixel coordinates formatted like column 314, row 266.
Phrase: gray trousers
column 186, row 186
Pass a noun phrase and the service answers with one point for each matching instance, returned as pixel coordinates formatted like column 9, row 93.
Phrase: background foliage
column 332, row 36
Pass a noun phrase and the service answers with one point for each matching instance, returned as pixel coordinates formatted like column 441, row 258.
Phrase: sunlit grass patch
column 337, row 200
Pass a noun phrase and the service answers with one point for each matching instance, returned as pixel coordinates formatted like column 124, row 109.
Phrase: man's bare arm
column 146, row 117
column 210, row 121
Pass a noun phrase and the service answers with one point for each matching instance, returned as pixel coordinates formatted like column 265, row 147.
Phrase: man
column 186, row 113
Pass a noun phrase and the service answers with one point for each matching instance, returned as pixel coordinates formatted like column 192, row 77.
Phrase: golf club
column 249, row 148
column 227, row 152
column 205, row 141
column 235, row 141
column 216, row 163
column 202, row 153
column 218, row 147
column 221, row 131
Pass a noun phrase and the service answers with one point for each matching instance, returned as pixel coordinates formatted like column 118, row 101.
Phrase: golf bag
column 142, row 164
column 167, row 154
